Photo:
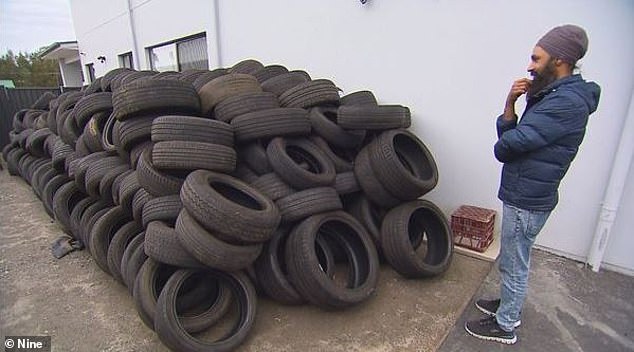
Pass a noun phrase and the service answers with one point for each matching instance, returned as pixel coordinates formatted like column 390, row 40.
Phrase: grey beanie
column 568, row 43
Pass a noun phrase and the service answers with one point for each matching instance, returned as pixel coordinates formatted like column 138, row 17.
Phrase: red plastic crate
column 472, row 227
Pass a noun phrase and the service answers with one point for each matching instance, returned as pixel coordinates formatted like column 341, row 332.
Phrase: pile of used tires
column 200, row 188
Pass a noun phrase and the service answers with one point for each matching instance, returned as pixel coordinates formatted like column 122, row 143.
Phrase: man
column 536, row 152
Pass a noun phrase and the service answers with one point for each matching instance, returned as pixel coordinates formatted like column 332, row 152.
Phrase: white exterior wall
column 451, row 62
column 71, row 73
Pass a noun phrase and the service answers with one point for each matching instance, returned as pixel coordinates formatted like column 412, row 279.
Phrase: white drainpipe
column 217, row 34
column 614, row 190
column 136, row 59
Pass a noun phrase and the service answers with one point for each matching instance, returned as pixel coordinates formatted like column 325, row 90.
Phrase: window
column 90, row 70
column 125, row 60
column 179, row 55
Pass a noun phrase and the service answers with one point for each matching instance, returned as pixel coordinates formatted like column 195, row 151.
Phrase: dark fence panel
column 14, row 99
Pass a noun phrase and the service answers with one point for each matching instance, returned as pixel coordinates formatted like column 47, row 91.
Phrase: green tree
column 29, row 70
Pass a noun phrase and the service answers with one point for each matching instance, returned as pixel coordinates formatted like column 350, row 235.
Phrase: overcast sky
column 27, row 25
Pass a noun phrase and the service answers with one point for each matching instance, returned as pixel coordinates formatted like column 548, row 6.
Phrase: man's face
column 542, row 69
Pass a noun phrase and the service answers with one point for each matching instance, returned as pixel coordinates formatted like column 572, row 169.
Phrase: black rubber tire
column 223, row 87
column 271, row 272
column 174, row 335
column 60, row 151
column 272, row 186
column 186, row 155
column 97, row 171
column 287, row 157
column 237, row 105
column 105, row 184
column 308, row 277
column 193, row 129
column 76, row 214
column 90, row 105
column 244, row 173
column 162, row 245
column 211, row 251
column 82, row 167
column 147, row 96
column 248, row 66
column 307, row 202
column 133, row 258
column 323, row 121
column 108, row 79
column 281, row 83
column 346, row 183
column 141, row 197
column 343, row 159
column 368, row 214
column 268, row 72
column 254, row 156
column 137, row 150
column 35, row 142
column 116, row 185
column 127, row 189
column 121, row 239
column 266, row 124
column 403, row 164
column 155, row 182
column 102, row 233
column 399, row 230
column 134, row 131
column 88, row 220
column 308, row 94
column 370, row 185
column 36, row 178
column 208, row 76
column 164, row 209
column 49, row 191
column 229, row 208
column 369, row 117
column 362, row 97
column 65, row 199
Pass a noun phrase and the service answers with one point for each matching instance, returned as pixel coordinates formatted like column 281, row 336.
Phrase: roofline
column 54, row 46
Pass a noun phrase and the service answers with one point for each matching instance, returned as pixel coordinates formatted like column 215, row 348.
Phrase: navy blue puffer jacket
column 538, row 150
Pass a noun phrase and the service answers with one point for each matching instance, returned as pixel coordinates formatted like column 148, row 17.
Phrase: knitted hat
column 568, row 43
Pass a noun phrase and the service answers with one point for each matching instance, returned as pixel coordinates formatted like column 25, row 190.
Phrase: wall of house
column 451, row 62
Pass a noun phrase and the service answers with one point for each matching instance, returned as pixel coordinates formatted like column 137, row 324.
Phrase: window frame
column 174, row 42
column 126, row 56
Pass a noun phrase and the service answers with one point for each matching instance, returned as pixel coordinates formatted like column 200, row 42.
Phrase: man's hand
column 518, row 88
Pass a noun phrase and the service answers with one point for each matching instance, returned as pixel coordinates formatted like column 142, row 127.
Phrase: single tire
column 103, row 232
column 206, row 77
column 248, row 66
column 369, row 183
column 272, row 186
column 362, row 97
column 266, row 124
column 237, row 105
column 134, row 131
column 369, row 117
column 133, row 258
column 281, row 83
column 305, row 271
column 308, row 94
column 229, row 208
column 162, row 245
column 268, row 72
column 192, row 129
column 254, row 156
column 147, row 96
column 211, row 251
column 91, row 104
column 223, row 87
column 121, row 239
column 287, row 157
column 399, row 231
column 141, row 197
column 155, row 182
column 305, row 203
column 346, row 183
column 403, row 164
column 164, row 209
column 186, row 155
column 65, row 199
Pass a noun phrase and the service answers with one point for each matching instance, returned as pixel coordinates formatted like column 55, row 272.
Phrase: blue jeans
column 519, row 230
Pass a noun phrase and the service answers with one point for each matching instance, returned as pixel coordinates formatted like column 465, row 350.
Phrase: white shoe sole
column 490, row 338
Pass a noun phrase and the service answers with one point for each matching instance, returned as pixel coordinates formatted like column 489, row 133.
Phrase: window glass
column 125, row 60
column 90, row 70
column 180, row 55
column 163, row 58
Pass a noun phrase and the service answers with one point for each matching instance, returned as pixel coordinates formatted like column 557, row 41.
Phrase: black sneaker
column 489, row 307
column 488, row 329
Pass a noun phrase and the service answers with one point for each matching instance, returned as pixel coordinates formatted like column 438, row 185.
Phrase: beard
column 542, row 79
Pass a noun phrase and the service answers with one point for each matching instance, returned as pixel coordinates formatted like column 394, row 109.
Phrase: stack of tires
column 201, row 189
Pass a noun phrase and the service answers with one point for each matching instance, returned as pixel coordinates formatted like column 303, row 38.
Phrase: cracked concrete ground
column 84, row 309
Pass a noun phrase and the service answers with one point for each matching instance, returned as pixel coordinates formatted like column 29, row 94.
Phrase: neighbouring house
column 451, row 62
column 67, row 56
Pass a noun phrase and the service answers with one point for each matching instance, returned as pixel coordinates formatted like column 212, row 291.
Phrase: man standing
column 536, row 152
